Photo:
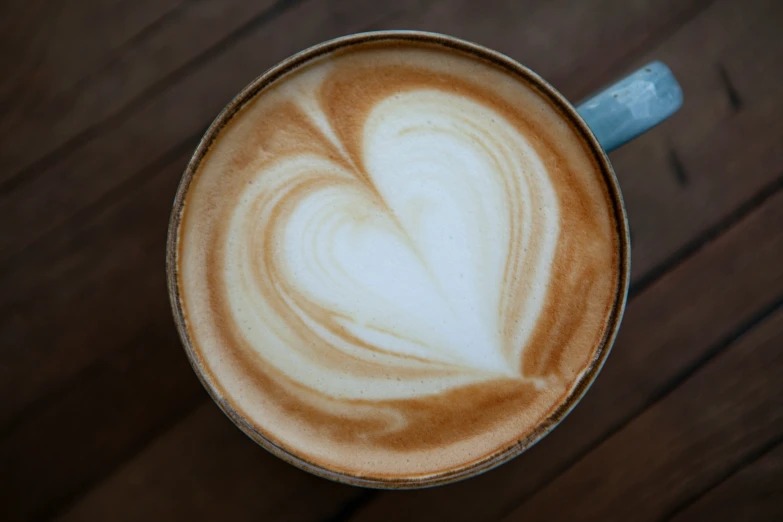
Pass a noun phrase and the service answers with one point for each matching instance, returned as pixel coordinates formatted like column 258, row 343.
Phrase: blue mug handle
column 632, row 106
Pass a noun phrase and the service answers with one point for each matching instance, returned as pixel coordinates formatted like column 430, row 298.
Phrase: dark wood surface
column 101, row 417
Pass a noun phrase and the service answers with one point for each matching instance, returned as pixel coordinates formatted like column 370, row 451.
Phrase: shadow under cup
column 599, row 354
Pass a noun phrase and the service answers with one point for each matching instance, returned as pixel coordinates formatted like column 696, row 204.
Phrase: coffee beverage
column 397, row 260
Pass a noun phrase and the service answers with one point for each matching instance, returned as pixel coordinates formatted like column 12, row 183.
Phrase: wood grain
column 576, row 46
column 48, row 46
column 87, row 294
column 754, row 494
column 109, row 364
column 92, row 76
column 93, row 382
column 725, row 152
column 206, row 469
column 51, row 51
column 682, row 444
column 100, row 418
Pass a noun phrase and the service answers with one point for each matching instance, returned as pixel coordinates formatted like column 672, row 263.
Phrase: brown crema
column 271, row 350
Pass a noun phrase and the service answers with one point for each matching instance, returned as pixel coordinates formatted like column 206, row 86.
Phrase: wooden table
column 101, row 417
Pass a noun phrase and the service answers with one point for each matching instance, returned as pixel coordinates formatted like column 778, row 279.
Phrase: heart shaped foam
column 417, row 264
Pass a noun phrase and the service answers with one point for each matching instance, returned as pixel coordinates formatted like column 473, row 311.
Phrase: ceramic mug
column 606, row 121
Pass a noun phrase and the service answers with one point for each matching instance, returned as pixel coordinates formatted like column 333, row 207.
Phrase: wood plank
column 659, row 337
column 104, row 416
column 576, row 46
column 106, row 369
column 89, row 291
column 78, row 111
column 206, row 469
column 115, row 292
column 754, row 494
column 678, row 177
column 656, row 335
column 48, row 48
column 737, row 160
column 682, row 444
column 182, row 107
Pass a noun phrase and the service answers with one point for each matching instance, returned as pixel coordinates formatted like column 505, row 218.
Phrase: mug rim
column 601, row 352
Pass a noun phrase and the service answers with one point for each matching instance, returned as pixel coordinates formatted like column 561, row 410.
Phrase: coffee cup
column 398, row 259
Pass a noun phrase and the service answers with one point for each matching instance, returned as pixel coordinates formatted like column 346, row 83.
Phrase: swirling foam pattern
column 398, row 251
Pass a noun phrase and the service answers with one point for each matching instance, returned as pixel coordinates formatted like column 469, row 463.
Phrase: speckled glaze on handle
column 632, row 106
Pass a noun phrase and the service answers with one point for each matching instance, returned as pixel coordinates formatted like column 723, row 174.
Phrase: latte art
column 403, row 258
column 396, row 261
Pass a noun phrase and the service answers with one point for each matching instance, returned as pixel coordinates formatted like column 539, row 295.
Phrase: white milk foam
column 416, row 266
